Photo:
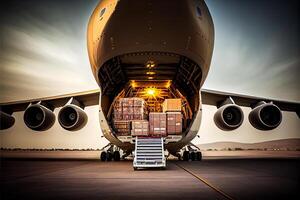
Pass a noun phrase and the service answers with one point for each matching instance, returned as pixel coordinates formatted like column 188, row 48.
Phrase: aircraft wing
column 212, row 97
column 40, row 114
column 87, row 98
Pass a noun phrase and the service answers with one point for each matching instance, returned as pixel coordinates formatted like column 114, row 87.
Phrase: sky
column 43, row 53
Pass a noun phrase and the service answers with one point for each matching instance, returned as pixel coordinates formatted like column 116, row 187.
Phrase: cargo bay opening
column 154, row 77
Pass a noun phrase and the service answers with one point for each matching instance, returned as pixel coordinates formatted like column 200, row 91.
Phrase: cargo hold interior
column 153, row 76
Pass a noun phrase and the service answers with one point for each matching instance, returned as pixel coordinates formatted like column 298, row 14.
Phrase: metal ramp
column 149, row 152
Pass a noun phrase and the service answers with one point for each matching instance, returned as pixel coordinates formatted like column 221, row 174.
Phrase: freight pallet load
column 174, row 123
column 171, row 105
column 140, row 128
column 118, row 110
column 122, row 127
column 157, row 124
column 130, row 109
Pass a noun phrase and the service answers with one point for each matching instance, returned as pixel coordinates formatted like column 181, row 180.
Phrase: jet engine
column 39, row 117
column 229, row 116
column 6, row 120
column 265, row 116
column 72, row 117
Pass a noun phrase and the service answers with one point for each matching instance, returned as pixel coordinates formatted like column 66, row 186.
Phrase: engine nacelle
column 72, row 117
column 6, row 120
column 38, row 117
column 265, row 116
column 229, row 117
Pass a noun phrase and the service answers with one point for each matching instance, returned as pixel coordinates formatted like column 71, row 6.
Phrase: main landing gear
column 110, row 152
column 191, row 152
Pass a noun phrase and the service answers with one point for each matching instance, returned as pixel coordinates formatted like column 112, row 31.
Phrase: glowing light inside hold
column 168, row 84
column 151, row 92
column 150, row 73
column 150, row 64
column 133, row 84
column 150, row 78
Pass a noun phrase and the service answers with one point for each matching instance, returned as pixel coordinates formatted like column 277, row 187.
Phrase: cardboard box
column 122, row 127
column 171, row 105
column 174, row 123
column 140, row 128
column 157, row 124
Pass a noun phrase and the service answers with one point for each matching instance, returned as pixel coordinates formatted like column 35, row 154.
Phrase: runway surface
column 208, row 179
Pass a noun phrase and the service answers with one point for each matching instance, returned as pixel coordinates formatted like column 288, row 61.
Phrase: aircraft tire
column 109, row 156
column 117, row 156
column 103, row 156
column 199, row 156
column 186, row 156
column 193, row 156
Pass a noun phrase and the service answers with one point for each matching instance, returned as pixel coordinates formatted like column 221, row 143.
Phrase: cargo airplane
column 161, row 47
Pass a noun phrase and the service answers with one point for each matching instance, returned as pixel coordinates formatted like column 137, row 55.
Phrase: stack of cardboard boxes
column 130, row 109
column 127, row 110
column 130, row 117
column 172, row 108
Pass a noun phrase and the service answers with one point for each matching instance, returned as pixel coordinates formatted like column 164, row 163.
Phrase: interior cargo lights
column 150, row 64
column 133, row 84
column 168, row 84
column 150, row 73
column 151, row 92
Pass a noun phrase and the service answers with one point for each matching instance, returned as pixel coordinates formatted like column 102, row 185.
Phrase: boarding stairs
column 149, row 153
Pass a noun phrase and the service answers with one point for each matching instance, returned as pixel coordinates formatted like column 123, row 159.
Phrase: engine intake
column 38, row 117
column 72, row 117
column 6, row 120
column 229, row 117
column 265, row 116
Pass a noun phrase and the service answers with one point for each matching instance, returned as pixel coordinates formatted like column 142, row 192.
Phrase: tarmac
column 238, row 178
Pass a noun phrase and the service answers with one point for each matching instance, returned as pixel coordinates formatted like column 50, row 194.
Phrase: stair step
column 149, row 145
column 155, row 148
column 148, row 162
column 148, row 154
column 150, row 150
column 147, row 157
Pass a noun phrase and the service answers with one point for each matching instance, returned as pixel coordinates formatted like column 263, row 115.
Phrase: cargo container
column 140, row 128
column 157, row 124
column 122, row 127
column 174, row 123
column 130, row 109
column 171, row 105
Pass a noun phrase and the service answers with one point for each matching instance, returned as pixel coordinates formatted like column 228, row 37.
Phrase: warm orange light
column 168, row 84
column 150, row 64
column 151, row 92
column 133, row 84
column 150, row 78
column 150, row 73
